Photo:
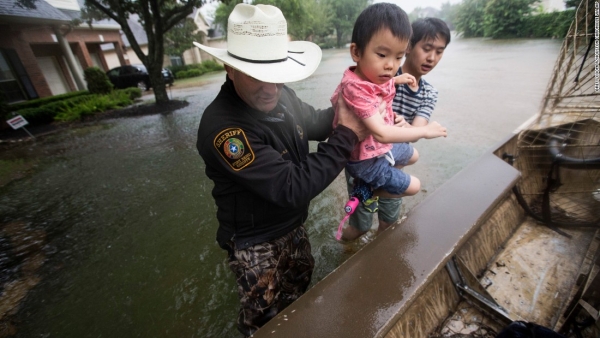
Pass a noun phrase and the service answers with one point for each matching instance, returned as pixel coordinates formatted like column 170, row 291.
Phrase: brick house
column 42, row 55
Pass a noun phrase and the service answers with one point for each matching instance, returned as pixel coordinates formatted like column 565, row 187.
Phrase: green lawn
column 199, row 80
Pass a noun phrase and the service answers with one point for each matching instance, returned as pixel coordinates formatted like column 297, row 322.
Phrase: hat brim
column 289, row 70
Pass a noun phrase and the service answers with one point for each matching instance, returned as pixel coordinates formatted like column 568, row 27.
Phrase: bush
column 182, row 72
column 97, row 81
column 94, row 104
column 45, row 114
column 548, row 25
column 175, row 69
column 40, row 102
column 212, row 65
column 132, row 92
column 74, row 108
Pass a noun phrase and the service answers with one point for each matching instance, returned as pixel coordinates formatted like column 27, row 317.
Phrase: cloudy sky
column 406, row 5
column 409, row 5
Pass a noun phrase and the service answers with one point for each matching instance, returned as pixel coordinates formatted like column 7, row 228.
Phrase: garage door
column 53, row 75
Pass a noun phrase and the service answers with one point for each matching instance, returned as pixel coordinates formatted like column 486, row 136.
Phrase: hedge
column 40, row 102
column 71, row 109
column 197, row 69
column 548, row 25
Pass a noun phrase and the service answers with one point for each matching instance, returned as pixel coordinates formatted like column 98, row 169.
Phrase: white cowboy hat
column 258, row 46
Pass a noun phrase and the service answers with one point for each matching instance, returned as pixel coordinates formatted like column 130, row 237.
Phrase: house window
column 176, row 60
column 10, row 89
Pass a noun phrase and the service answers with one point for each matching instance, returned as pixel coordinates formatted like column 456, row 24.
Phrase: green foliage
column 132, row 92
column 211, row 65
column 73, row 108
column 317, row 22
column 97, row 81
column 40, row 102
column 548, row 25
column 94, row 104
column 45, row 114
column 448, row 13
column 184, row 74
column 156, row 17
column 504, row 18
column 345, row 13
column 186, row 71
column 222, row 13
column 509, row 19
column 469, row 18
column 180, row 38
column 305, row 18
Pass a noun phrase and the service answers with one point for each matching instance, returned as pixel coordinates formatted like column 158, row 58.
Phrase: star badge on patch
column 300, row 131
column 234, row 148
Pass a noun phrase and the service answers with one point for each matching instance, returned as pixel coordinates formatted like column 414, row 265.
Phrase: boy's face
column 424, row 56
column 381, row 58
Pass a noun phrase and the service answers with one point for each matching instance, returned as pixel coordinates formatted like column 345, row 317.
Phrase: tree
column 504, row 18
column 420, row 12
column 448, row 13
column 469, row 18
column 305, row 18
column 156, row 16
column 180, row 38
column 222, row 12
column 345, row 13
column 317, row 22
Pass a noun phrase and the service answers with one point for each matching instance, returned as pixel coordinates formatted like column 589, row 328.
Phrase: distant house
column 42, row 55
column 210, row 36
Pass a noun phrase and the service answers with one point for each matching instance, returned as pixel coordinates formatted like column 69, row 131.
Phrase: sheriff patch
column 233, row 146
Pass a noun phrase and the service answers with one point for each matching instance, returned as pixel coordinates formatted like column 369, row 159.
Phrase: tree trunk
column 339, row 35
column 158, row 85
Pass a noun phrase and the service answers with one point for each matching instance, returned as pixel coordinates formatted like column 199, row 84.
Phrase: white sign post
column 19, row 122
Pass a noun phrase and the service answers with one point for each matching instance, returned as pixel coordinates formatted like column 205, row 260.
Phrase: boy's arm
column 406, row 79
column 391, row 134
column 426, row 107
column 419, row 121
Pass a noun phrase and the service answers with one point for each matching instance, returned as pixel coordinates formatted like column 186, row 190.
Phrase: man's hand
column 348, row 119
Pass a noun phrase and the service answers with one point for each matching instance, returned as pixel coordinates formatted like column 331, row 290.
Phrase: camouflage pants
column 270, row 276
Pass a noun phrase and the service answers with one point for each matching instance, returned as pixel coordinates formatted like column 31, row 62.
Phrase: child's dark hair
column 429, row 29
column 379, row 16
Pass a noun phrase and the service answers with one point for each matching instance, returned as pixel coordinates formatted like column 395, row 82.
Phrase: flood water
column 110, row 231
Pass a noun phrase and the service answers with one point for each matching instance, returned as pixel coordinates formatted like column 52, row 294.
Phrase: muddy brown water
column 109, row 231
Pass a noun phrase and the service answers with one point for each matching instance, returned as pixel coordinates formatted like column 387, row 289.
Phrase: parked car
column 135, row 76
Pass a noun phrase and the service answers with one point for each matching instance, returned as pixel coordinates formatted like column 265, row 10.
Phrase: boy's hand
column 434, row 129
column 406, row 79
column 399, row 121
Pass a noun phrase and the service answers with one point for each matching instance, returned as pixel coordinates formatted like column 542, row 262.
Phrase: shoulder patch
column 233, row 146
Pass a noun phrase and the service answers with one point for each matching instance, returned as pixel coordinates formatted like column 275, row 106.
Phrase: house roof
column 46, row 13
column 42, row 14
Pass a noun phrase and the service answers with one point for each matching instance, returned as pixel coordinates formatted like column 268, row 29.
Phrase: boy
column 427, row 44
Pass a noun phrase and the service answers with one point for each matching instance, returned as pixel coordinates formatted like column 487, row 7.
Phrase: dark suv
column 135, row 76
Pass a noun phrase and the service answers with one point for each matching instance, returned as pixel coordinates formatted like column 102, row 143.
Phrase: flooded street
column 111, row 230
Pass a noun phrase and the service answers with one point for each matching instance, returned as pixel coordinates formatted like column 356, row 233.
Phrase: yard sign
column 17, row 122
